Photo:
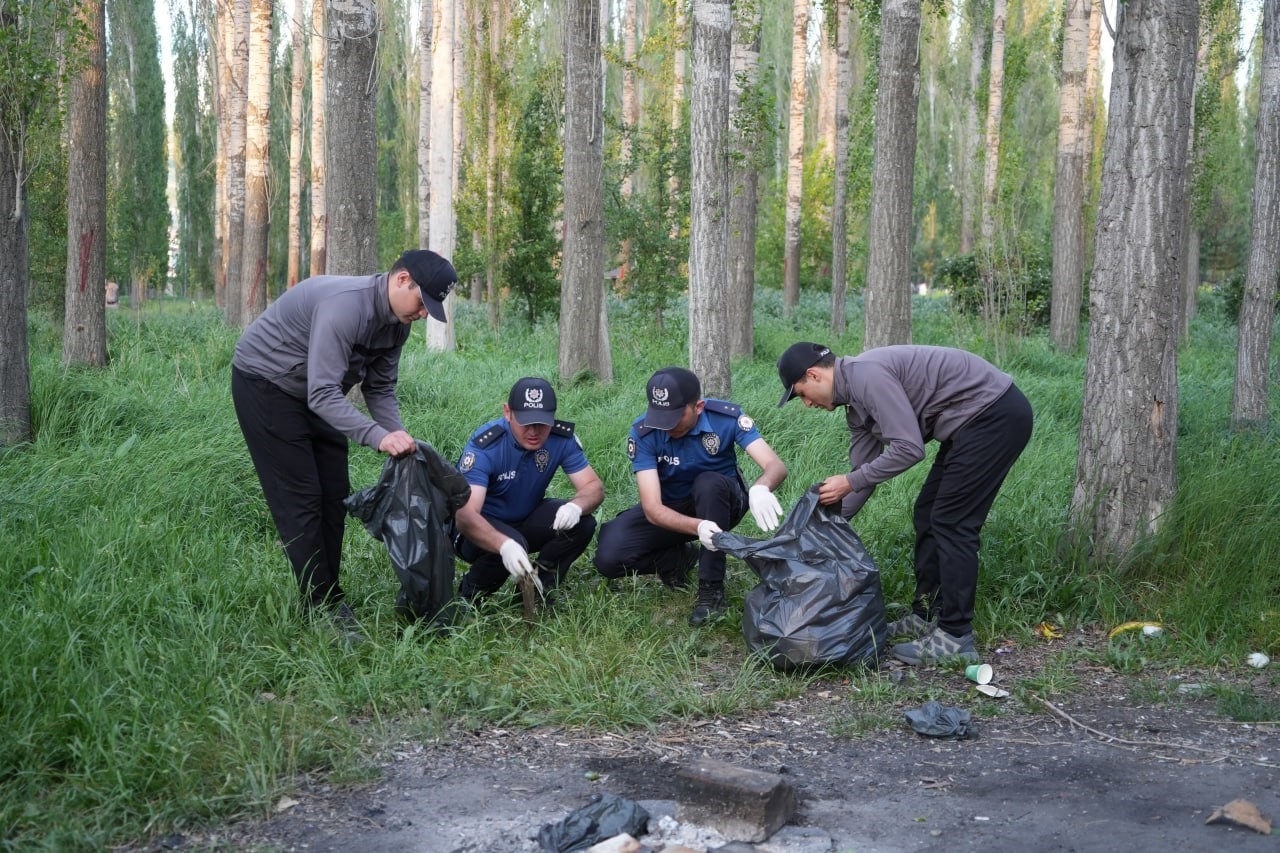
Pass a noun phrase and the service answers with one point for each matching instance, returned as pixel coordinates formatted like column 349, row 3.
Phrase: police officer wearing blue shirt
column 682, row 451
column 509, row 463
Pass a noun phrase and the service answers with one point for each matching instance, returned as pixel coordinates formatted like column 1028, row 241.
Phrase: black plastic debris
column 601, row 819
column 819, row 599
column 410, row 509
column 936, row 720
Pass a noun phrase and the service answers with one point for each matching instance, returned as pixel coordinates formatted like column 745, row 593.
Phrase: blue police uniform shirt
column 709, row 446
column 516, row 478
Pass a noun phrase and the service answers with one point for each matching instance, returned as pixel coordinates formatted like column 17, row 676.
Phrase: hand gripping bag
column 819, row 599
column 410, row 509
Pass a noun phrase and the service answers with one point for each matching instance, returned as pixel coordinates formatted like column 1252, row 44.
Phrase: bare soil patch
column 1099, row 769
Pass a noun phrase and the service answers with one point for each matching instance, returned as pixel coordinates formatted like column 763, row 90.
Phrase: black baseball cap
column 798, row 358
column 532, row 401
column 670, row 390
column 434, row 276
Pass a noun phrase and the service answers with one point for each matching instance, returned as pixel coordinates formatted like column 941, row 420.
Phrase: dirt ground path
column 1098, row 771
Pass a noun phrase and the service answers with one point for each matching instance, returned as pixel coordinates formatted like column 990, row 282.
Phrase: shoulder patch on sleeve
column 631, row 448
column 723, row 407
column 489, row 436
column 745, row 423
column 468, row 461
column 564, row 428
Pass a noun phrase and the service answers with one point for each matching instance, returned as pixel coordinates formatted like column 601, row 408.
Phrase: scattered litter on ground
column 933, row 719
column 1133, row 626
column 1244, row 814
column 1257, row 660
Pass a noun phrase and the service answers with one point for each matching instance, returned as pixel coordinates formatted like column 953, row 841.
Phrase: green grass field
column 155, row 673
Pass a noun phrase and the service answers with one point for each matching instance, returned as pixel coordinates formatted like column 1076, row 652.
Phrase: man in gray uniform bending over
column 897, row 398
column 290, row 376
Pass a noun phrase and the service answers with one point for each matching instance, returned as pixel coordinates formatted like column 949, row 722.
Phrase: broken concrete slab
column 740, row 803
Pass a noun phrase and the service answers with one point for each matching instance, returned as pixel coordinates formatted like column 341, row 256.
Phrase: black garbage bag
column 933, row 719
column 601, row 819
column 410, row 509
column 819, row 599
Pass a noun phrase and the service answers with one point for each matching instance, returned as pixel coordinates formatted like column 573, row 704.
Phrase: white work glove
column 707, row 529
column 765, row 508
column 516, row 560
column 567, row 516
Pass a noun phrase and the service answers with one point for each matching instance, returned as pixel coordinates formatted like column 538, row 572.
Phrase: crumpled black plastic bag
column 819, row 599
column 409, row 509
column 601, row 819
column 936, row 720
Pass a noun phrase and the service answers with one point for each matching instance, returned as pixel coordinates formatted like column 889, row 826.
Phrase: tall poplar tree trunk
column 352, row 143
column 1257, row 310
column 795, row 157
column 678, row 60
column 995, row 102
column 493, row 65
column 233, row 250
column 828, row 71
column 969, row 142
column 745, row 128
column 709, row 190
column 223, row 41
column 1126, row 469
column 630, row 124
column 845, row 20
column 582, row 267
column 253, row 296
column 15, row 377
column 296, row 93
column 441, row 227
column 888, row 295
column 319, row 241
column 424, row 123
column 1068, row 186
column 84, row 334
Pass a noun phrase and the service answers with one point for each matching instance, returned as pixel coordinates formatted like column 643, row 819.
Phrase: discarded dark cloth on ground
column 601, row 819
column 936, row 720
column 410, row 509
column 819, row 599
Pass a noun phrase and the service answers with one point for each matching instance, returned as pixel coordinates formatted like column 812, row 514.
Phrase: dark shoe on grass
column 935, row 646
column 911, row 626
column 677, row 578
column 709, row 606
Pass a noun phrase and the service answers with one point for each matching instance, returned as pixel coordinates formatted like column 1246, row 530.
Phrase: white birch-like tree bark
column 319, row 242
column 442, row 223
column 795, row 157
column 297, row 82
column 1069, row 181
column 1253, row 381
column 969, row 143
column 709, row 190
column 995, row 110
column 237, row 103
column 887, row 303
column 84, row 332
column 425, row 60
column 253, row 294
column 1126, row 469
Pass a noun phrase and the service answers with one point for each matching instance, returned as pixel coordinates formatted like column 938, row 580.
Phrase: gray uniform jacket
column 320, row 338
column 897, row 398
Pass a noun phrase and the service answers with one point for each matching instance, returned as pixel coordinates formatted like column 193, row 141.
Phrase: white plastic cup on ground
column 1257, row 660
column 978, row 673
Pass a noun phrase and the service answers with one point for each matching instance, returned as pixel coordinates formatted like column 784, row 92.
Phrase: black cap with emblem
column 434, row 276
column 794, row 362
column 532, row 401
column 670, row 390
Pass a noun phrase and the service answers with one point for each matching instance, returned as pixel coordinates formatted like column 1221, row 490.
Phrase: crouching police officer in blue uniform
column 509, row 463
column 682, row 451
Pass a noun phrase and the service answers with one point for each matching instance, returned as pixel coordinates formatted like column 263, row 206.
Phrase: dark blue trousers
column 630, row 544
column 556, row 550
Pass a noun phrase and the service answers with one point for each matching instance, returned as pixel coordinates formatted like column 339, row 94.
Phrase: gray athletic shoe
column 937, row 645
column 911, row 626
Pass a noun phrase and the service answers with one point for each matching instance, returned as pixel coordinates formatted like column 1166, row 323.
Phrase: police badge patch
column 745, row 423
column 711, row 442
column 468, row 461
column 631, row 449
column 541, row 458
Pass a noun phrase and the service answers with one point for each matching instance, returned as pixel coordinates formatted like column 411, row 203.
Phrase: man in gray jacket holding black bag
column 290, row 376
column 896, row 399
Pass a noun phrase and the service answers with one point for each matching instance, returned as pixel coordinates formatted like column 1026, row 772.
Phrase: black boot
column 710, row 604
